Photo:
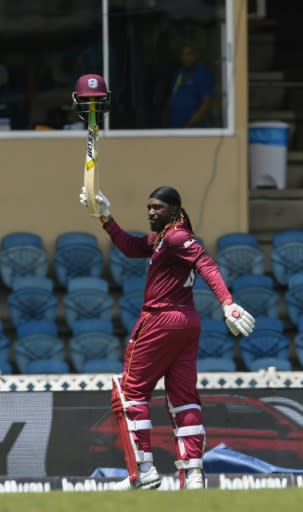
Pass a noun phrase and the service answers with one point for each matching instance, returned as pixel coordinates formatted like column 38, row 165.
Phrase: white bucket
column 268, row 145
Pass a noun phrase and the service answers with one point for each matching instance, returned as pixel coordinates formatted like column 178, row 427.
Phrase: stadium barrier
column 56, row 427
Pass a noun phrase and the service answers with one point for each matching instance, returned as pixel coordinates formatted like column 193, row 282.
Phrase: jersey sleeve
column 193, row 254
column 132, row 246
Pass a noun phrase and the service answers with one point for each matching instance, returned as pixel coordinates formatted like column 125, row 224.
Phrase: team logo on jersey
column 188, row 243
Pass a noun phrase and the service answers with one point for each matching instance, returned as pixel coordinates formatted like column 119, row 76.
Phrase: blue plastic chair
column 130, row 308
column 91, row 325
column 32, row 299
column 231, row 239
column 216, row 348
column 22, row 260
column 206, row 302
column 287, row 236
column 256, row 294
column 286, row 255
column 294, row 297
column 89, row 301
column 298, row 342
column 239, row 254
column 87, row 283
column 102, row 366
column 122, row 267
column 40, row 353
column 77, row 260
column 20, row 238
column 4, row 346
column 264, row 323
column 133, row 284
column 265, row 348
column 93, row 346
column 36, row 327
column 5, row 367
column 75, row 238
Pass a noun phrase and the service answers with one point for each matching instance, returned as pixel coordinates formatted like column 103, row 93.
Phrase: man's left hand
column 238, row 320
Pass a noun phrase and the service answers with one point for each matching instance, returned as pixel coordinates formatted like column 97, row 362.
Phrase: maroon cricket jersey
column 173, row 265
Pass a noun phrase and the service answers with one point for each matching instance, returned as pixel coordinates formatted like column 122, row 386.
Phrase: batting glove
column 238, row 320
column 102, row 201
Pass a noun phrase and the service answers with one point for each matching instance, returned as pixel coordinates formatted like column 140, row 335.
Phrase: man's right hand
column 101, row 200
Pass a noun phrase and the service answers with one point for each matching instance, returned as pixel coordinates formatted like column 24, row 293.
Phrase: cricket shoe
column 149, row 480
column 195, row 479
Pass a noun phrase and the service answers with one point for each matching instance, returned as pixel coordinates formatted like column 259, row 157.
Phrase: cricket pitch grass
column 210, row 500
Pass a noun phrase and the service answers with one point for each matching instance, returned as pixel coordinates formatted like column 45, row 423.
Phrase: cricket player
column 165, row 339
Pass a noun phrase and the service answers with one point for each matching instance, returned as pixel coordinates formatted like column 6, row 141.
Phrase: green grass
column 211, row 500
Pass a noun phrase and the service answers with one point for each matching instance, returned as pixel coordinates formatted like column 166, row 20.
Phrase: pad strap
column 130, row 403
column 181, row 408
column 193, row 430
column 138, row 425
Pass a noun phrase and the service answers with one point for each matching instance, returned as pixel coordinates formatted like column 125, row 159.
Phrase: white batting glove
column 104, row 203
column 238, row 320
column 101, row 199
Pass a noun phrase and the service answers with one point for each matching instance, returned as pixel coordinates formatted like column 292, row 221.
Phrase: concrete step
column 272, row 210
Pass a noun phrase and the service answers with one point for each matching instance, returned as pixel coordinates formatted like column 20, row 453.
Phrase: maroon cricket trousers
column 164, row 344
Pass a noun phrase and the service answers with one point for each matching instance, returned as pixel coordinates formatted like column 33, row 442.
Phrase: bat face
column 90, row 169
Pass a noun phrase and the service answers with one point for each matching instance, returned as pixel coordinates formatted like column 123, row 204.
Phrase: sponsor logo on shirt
column 188, row 243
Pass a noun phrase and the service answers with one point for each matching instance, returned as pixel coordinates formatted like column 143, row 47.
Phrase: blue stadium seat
column 239, row 254
column 231, row 239
column 216, row 348
column 32, row 298
column 256, row 294
column 97, row 325
column 77, row 255
column 286, row 255
column 4, row 344
column 90, row 349
column 264, row 323
column 80, row 283
column 5, row 366
column 90, row 301
column 130, row 308
column 22, row 254
column 133, row 284
column 76, row 237
column 122, row 267
column 265, row 348
column 298, row 340
column 19, row 238
column 36, row 327
column 103, row 366
column 40, row 353
column 294, row 297
column 206, row 302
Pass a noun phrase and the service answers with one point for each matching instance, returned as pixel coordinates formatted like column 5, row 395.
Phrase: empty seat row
column 78, row 254
column 268, row 346
column 93, row 348
column 39, row 349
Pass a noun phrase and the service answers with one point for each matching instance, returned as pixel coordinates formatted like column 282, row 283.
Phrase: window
column 168, row 63
column 45, row 46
